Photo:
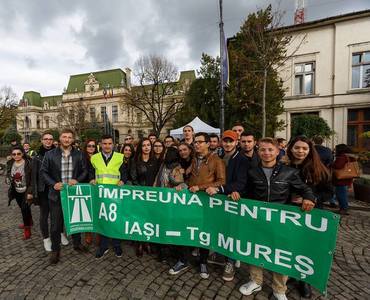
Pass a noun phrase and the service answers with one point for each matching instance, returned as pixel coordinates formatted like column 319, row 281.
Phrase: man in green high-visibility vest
column 108, row 168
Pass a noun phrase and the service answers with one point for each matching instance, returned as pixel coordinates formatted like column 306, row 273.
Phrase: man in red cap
column 236, row 179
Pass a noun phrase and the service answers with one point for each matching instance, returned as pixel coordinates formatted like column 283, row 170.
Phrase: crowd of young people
column 235, row 164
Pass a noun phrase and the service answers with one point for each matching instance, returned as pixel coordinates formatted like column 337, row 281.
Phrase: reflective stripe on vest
column 107, row 174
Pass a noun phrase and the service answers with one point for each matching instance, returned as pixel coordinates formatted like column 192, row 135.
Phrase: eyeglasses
column 17, row 154
column 129, row 138
column 158, row 146
column 199, row 142
column 90, row 146
column 47, row 139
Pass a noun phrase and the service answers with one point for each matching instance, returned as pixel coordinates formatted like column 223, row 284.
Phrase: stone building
column 100, row 97
column 329, row 76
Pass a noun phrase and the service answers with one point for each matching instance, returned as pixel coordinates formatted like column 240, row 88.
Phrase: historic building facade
column 329, row 76
column 100, row 96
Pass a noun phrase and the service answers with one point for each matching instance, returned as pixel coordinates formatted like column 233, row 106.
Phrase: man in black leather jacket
column 62, row 165
column 273, row 182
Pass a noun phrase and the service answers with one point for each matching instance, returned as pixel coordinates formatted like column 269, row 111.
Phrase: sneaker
column 280, row 296
column 229, row 272
column 204, row 271
column 54, row 257
column 249, row 288
column 195, row 252
column 100, row 253
column 64, row 239
column 47, row 244
column 237, row 264
column 178, row 268
column 118, row 251
column 216, row 259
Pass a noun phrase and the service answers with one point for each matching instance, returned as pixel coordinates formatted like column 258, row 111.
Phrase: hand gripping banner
column 277, row 237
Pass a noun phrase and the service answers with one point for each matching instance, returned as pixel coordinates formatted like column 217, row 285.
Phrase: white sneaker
column 280, row 296
column 249, row 288
column 47, row 244
column 64, row 239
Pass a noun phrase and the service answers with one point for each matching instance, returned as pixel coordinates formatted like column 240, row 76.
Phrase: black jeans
column 44, row 213
column 25, row 208
column 56, row 226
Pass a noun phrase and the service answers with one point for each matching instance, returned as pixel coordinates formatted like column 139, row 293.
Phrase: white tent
column 198, row 125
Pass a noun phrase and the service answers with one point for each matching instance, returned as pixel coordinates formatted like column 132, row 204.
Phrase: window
column 92, row 114
column 103, row 113
column 114, row 113
column 358, row 123
column 46, row 122
column 361, row 70
column 38, row 124
column 304, row 78
column 139, row 117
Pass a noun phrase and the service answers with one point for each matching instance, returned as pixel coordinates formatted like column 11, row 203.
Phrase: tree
column 11, row 134
column 256, row 53
column 310, row 125
column 203, row 98
column 35, row 136
column 73, row 116
column 8, row 106
column 155, row 97
column 91, row 133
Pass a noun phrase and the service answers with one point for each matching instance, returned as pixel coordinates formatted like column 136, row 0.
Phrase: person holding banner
column 143, row 171
column 62, row 165
column 108, row 168
column 236, row 179
column 302, row 155
column 273, row 182
column 207, row 170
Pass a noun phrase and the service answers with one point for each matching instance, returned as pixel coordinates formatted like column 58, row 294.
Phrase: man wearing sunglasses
column 129, row 139
column 40, row 189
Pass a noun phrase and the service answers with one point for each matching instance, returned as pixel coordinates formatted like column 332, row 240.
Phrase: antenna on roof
column 299, row 12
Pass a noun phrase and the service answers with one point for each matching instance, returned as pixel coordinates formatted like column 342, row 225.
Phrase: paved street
column 25, row 273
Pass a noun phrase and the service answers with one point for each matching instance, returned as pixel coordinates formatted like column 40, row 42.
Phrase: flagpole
column 222, row 83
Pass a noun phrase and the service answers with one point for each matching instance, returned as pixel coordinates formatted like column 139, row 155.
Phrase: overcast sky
column 42, row 42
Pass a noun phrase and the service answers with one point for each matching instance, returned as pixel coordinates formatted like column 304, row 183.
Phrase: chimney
column 128, row 78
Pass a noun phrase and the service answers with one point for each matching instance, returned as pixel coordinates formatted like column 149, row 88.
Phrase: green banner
column 280, row 238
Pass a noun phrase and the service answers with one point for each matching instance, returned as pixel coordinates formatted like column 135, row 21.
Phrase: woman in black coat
column 20, row 187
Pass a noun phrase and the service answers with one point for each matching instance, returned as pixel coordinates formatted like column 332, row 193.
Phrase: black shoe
column 81, row 248
column 333, row 205
column 118, row 251
column 100, row 253
column 304, row 289
column 54, row 257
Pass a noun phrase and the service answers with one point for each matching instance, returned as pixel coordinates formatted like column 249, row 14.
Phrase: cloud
column 68, row 37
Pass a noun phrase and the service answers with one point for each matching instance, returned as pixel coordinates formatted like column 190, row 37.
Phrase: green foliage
column 91, row 133
column 310, row 125
column 55, row 134
column 35, row 136
column 11, row 134
column 243, row 101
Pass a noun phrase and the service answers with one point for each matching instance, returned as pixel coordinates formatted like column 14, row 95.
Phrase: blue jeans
column 342, row 196
column 104, row 243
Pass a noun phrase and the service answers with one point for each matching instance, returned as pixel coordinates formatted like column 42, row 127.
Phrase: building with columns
column 329, row 76
column 100, row 96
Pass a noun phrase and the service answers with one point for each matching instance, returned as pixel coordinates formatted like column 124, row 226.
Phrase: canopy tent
column 198, row 125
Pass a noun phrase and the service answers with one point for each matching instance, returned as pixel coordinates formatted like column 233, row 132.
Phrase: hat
column 230, row 134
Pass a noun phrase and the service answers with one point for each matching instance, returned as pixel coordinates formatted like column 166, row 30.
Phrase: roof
column 113, row 78
column 326, row 21
column 35, row 99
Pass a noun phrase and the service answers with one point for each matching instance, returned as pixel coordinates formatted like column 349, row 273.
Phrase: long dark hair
column 161, row 156
column 341, row 149
column 312, row 168
column 132, row 150
column 85, row 147
column 139, row 150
